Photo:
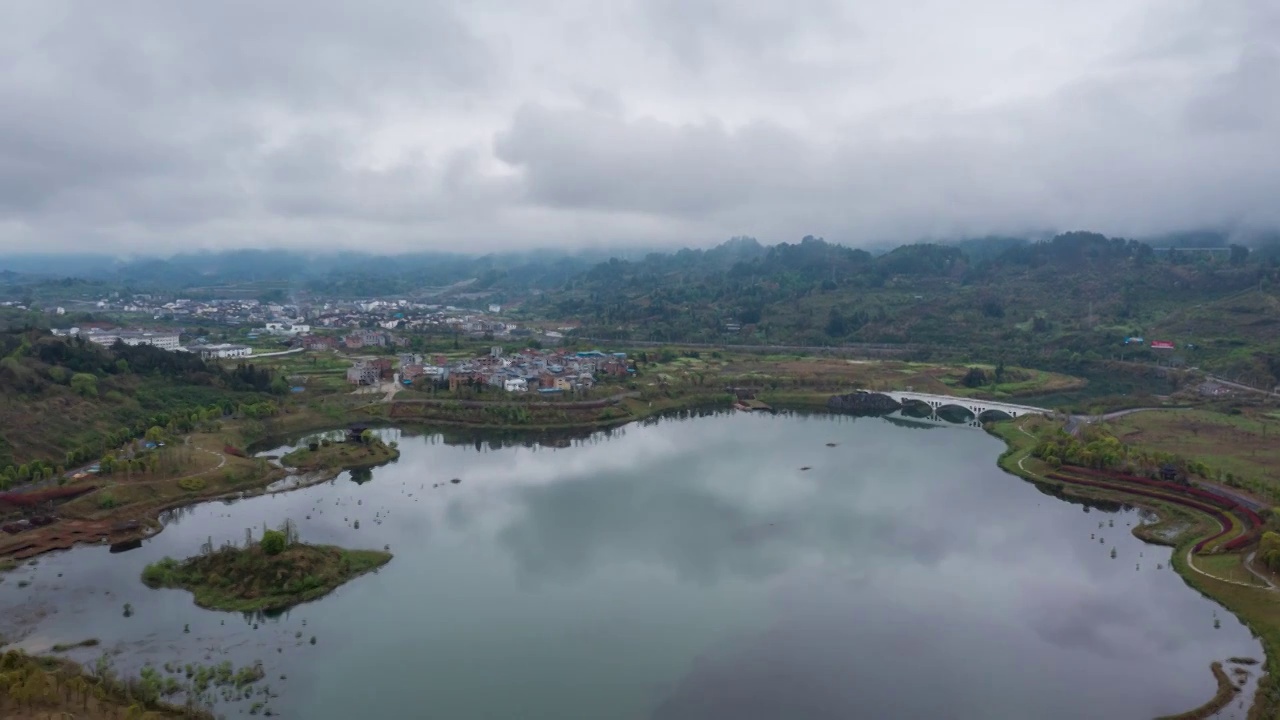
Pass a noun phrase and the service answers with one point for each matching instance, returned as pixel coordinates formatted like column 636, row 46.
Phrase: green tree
column 84, row 384
column 1239, row 255
column 836, row 325
column 976, row 377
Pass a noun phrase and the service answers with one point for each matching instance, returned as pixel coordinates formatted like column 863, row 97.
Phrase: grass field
column 784, row 373
column 1229, row 566
column 124, row 497
column 1246, row 446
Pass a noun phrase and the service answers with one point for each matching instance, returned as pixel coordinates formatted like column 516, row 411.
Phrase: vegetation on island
column 1227, row 691
column 66, row 647
column 339, row 451
column 273, row 573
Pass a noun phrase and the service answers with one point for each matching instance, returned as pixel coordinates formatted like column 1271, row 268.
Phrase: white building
column 286, row 329
column 162, row 339
column 515, row 385
column 221, row 351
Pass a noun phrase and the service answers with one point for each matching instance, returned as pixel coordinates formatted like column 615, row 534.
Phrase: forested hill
column 66, row 401
column 283, row 273
column 1076, row 295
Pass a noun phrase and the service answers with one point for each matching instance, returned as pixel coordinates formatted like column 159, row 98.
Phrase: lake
column 728, row 566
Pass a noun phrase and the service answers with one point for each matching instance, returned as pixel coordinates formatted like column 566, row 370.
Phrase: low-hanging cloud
column 401, row 125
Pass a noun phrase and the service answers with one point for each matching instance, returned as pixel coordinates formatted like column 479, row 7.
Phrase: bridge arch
column 975, row 407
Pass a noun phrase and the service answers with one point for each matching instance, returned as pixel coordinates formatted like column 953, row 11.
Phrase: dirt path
column 222, row 461
column 1270, row 585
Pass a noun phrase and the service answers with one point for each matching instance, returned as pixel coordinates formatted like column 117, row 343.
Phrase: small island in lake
column 275, row 573
column 359, row 449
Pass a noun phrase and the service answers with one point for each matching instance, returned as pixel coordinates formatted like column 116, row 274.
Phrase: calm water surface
column 683, row 569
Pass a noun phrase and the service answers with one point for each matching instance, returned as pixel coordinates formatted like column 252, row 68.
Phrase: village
column 239, row 329
column 530, row 370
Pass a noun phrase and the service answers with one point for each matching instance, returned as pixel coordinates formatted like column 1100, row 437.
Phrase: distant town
column 365, row 325
column 545, row 372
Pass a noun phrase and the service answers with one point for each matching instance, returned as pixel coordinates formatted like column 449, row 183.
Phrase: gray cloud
column 397, row 124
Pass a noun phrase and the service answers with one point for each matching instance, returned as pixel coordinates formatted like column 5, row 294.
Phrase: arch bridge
column 973, row 405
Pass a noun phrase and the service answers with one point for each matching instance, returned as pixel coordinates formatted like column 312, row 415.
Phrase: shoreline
column 1207, row 585
column 1224, row 593
column 1227, row 691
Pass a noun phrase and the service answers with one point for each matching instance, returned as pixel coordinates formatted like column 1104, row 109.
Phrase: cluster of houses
column 546, row 372
column 351, row 341
column 221, row 312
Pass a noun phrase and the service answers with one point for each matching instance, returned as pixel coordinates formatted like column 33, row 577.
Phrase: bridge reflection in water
column 925, row 420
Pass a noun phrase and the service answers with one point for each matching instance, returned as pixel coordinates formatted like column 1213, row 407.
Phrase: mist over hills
column 344, row 272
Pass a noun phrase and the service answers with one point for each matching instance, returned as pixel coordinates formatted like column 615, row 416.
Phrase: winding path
column 1247, row 561
column 1248, row 565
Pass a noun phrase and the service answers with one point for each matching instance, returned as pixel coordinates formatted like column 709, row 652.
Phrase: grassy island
column 352, row 454
column 274, row 573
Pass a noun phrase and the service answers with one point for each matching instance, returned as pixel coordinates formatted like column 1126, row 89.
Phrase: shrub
column 106, row 501
column 160, row 573
column 192, row 484
column 273, row 542
column 84, row 384
column 976, row 377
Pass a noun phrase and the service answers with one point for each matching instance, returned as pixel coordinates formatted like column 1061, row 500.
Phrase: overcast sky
column 160, row 126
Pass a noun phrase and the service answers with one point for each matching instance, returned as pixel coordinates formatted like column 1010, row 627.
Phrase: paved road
column 1248, row 565
column 1238, row 386
column 274, row 354
column 1075, row 422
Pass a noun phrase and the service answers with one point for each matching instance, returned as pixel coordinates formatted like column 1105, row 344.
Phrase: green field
column 1245, row 445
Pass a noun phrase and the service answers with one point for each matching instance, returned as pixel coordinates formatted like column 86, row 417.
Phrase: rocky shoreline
column 863, row 403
